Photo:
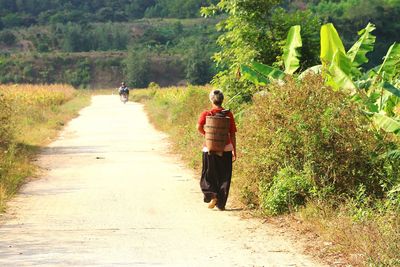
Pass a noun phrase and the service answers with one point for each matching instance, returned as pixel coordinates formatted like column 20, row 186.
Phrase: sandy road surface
column 112, row 196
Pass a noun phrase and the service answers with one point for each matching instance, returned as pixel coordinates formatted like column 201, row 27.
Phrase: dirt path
column 112, row 196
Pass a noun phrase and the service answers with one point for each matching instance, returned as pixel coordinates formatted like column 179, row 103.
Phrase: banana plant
column 334, row 60
column 291, row 54
column 386, row 123
column 344, row 68
column 390, row 66
column 262, row 74
column 365, row 44
column 383, row 77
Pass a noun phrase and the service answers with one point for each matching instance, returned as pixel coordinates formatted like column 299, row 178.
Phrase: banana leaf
column 339, row 76
column 253, row 76
column 388, row 69
column 390, row 104
column 291, row 53
column 365, row 44
column 386, row 123
column 330, row 43
column 394, row 154
column 268, row 71
column 391, row 88
column 261, row 74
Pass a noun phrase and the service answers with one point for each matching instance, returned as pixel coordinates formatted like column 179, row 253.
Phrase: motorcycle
column 124, row 97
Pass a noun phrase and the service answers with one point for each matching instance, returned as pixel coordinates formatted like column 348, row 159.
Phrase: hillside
column 95, row 55
column 169, row 31
column 25, row 13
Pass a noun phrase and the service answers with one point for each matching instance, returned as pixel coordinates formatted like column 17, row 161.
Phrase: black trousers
column 216, row 177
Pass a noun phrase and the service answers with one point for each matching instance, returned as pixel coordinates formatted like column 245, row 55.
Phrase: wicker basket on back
column 217, row 132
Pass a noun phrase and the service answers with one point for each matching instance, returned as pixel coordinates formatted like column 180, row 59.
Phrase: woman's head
column 216, row 97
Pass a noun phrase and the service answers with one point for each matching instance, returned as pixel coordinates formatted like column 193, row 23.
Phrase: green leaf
column 394, row 154
column 330, row 43
column 365, row 44
column 386, row 123
column 340, row 73
column 389, row 87
column 253, row 76
column 291, row 54
column 390, row 63
column 261, row 74
column 268, row 71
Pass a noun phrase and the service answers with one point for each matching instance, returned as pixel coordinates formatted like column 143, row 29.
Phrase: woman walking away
column 217, row 165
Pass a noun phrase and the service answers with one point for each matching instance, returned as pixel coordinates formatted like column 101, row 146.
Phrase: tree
column 198, row 65
column 254, row 30
column 137, row 67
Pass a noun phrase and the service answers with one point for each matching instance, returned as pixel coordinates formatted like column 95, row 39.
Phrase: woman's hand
column 233, row 156
column 200, row 128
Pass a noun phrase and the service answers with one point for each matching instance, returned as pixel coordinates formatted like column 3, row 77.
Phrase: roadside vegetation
column 30, row 117
column 305, row 151
column 316, row 141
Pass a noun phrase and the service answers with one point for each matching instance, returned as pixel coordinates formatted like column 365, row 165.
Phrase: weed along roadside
column 30, row 117
column 305, row 152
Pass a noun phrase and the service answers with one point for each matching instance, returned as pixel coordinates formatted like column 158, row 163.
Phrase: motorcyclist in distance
column 123, row 89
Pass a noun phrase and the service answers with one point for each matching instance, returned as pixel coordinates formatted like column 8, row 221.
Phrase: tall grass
column 30, row 116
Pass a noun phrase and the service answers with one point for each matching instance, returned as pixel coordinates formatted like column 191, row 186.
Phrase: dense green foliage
column 171, row 36
column 254, row 30
column 137, row 67
column 46, row 69
column 287, row 190
column 86, row 26
column 25, row 13
column 187, row 45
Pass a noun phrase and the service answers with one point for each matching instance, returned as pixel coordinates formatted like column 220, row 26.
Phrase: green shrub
column 80, row 76
column 308, row 126
column 393, row 198
column 287, row 191
column 7, row 38
column 137, row 67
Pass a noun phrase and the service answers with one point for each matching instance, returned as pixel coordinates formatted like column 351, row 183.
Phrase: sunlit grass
column 34, row 116
column 43, row 95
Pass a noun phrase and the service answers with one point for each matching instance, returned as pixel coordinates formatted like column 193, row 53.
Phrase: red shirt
column 232, row 125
